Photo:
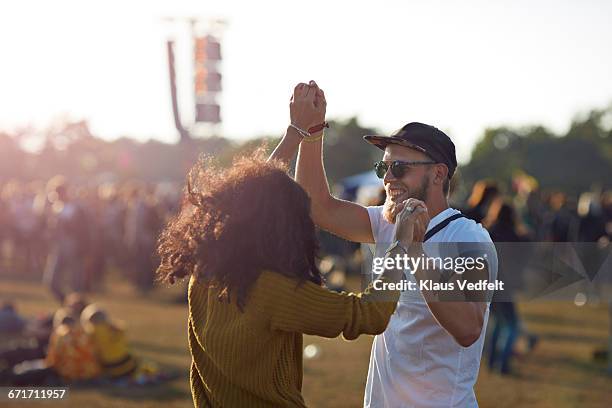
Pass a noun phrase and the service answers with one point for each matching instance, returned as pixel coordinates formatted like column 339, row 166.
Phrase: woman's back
column 237, row 359
column 254, row 357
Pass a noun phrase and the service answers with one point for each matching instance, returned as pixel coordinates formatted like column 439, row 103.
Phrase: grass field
column 559, row 373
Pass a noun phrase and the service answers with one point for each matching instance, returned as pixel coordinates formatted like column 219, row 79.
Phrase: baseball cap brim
column 383, row 141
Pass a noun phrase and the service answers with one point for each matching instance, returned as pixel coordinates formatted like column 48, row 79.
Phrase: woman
column 483, row 194
column 248, row 245
column 501, row 222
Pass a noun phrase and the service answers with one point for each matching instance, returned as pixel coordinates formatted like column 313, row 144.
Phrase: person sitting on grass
column 71, row 352
column 11, row 323
column 110, row 343
column 22, row 340
column 113, row 351
column 247, row 242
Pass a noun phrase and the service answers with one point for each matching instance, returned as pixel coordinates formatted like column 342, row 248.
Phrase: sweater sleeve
column 311, row 309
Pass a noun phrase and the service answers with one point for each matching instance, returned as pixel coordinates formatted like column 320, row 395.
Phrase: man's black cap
column 424, row 138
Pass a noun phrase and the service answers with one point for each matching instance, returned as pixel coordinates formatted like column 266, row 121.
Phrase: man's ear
column 440, row 174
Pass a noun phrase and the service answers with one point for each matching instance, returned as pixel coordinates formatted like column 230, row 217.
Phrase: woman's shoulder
column 277, row 286
column 274, row 282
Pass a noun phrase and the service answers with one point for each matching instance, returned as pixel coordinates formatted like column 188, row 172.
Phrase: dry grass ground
column 559, row 373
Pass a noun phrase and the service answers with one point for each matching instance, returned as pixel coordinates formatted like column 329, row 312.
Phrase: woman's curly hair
column 237, row 222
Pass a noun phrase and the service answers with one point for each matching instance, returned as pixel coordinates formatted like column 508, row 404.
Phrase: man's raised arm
column 343, row 218
column 303, row 113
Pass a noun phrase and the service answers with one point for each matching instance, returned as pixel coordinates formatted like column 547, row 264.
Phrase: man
column 429, row 355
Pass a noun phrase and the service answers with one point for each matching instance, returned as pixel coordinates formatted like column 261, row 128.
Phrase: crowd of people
column 71, row 236
column 531, row 216
column 542, row 215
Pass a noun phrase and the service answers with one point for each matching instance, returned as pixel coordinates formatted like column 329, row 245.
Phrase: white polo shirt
column 415, row 362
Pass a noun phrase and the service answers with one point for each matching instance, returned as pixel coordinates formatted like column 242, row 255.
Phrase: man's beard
column 389, row 211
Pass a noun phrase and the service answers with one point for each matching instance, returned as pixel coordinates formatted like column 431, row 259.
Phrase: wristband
column 313, row 139
column 301, row 131
column 318, row 127
column 310, row 131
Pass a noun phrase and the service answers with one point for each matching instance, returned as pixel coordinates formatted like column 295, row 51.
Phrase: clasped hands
column 307, row 106
column 411, row 221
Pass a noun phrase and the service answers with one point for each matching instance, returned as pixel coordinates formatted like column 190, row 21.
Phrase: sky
column 461, row 66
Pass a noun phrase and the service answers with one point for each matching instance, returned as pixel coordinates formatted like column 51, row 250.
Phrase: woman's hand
column 307, row 105
column 411, row 222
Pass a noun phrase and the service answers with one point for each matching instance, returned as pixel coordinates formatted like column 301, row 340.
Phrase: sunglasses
column 398, row 167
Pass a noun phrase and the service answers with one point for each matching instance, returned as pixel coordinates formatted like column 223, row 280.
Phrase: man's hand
column 307, row 105
column 421, row 218
column 307, row 109
column 411, row 221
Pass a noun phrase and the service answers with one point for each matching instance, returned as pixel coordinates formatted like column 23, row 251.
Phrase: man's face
column 413, row 184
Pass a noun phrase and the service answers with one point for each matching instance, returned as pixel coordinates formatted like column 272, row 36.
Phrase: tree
column 572, row 163
column 345, row 151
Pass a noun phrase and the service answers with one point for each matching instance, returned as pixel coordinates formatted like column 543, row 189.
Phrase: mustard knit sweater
column 254, row 358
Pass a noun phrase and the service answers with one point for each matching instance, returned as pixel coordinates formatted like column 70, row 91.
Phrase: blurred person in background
column 71, row 351
column 606, row 205
column 109, row 342
column 533, row 214
column 21, row 339
column 483, row 194
column 65, row 269
column 26, row 224
column 142, row 225
column 94, row 262
column 10, row 321
column 21, row 228
column 12, row 326
column 592, row 215
column 4, row 231
column 112, row 222
column 68, row 359
column 502, row 224
column 113, row 353
column 594, row 239
column 562, row 220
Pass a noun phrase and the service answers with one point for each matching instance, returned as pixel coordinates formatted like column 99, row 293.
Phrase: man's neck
column 435, row 207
